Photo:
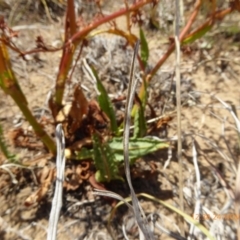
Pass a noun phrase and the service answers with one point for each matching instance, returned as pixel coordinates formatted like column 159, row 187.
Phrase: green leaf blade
column 144, row 47
column 105, row 103
column 105, row 162
column 138, row 147
column 192, row 38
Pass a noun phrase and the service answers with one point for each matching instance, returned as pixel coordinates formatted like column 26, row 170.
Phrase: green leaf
column 108, row 156
column 105, row 103
column 193, row 37
column 105, row 162
column 138, row 147
column 83, row 154
column 140, row 125
column 4, row 148
column 144, row 48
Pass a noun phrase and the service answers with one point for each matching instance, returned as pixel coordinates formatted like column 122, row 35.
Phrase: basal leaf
column 108, row 156
column 140, row 126
column 105, row 103
column 138, row 147
column 104, row 159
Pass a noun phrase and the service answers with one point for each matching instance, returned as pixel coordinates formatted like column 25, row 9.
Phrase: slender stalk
column 10, row 86
column 183, row 35
column 67, row 54
column 82, row 34
column 178, row 97
column 140, row 218
column 73, row 40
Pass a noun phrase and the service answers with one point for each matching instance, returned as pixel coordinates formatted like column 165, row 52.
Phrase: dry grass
column 210, row 150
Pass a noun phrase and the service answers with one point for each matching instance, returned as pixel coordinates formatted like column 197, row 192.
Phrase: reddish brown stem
column 172, row 46
column 217, row 15
column 81, row 34
column 73, row 42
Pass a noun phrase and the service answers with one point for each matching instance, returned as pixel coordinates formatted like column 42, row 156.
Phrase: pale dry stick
column 229, row 108
column 169, row 233
column 226, row 142
column 178, row 97
column 96, row 234
column 167, row 221
column 7, row 167
column 110, row 194
column 237, row 188
column 154, row 119
column 208, row 217
column 197, row 189
column 219, row 176
column 167, row 162
column 30, row 27
column 182, row 12
column 140, row 218
column 217, row 227
column 217, row 148
column 14, row 180
column 5, row 228
column 90, row 75
column 237, row 199
column 124, row 232
column 57, row 199
column 47, row 11
column 14, row 10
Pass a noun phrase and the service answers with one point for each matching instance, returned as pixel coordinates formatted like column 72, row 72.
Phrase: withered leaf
column 42, row 191
column 78, row 110
column 235, row 4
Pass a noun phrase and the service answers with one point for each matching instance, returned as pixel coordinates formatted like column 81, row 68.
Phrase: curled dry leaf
column 72, row 115
column 25, row 139
column 164, row 121
column 72, row 180
column 97, row 117
column 42, row 191
column 75, row 175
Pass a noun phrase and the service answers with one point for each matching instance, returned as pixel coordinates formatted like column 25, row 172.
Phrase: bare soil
column 210, row 69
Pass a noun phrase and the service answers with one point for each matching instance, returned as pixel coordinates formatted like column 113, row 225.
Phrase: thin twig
column 179, row 129
column 57, row 199
column 197, row 189
column 140, row 218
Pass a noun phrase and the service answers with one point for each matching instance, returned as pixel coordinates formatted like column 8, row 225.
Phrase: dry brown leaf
column 164, row 121
column 81, row 143
column 97, row 117
column 42, row 191
column 235, row 4
column 78, row 110
column 73, row 178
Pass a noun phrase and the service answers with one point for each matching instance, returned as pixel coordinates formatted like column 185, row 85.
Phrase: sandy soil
column 211, row 69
